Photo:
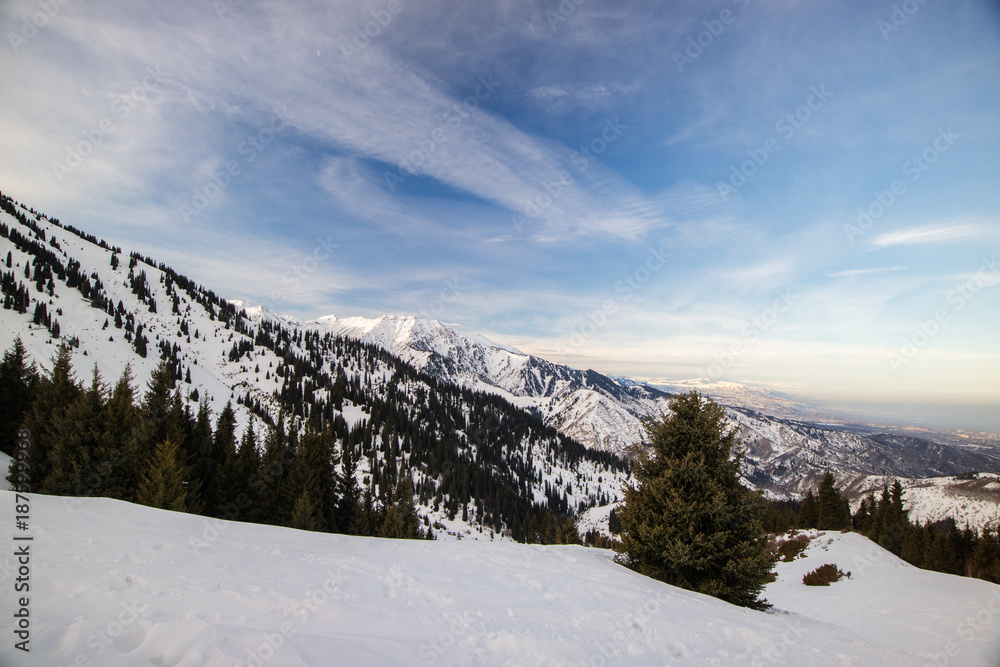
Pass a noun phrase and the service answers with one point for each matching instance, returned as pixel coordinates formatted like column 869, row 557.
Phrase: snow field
column 950, row 620
column 120, row 584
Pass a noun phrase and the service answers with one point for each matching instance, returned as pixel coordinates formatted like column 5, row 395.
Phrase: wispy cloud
column 931, row 234
column 862, row 272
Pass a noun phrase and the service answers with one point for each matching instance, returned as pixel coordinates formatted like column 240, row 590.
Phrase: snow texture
column 119, row 584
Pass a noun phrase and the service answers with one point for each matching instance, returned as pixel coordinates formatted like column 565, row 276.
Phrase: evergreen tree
column 688, row 521
column 53, row 396
column 402, row 514
column 216, row 464
column 313, row 471
column 77, row 445
column 832, row 512
column 304, row 514
column 270, row 482
column 809, row 512
column 162, row 485
column 18, row 379
column 348, row 492
column 120, row 460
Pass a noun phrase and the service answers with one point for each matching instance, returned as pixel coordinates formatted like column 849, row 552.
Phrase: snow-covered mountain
column 115, row 310
column 783, row 455
column 585, row 405
column 213, row 343
column 120, row 584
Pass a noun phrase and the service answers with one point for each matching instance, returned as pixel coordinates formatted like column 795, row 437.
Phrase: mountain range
column 104, row 303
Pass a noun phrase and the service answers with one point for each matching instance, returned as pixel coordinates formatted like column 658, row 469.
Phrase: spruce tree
column 77, row 444
column 18, row 378
column 53, row 396
column 119, row 463
column 163, row 484
column 809, row 511
column 304, row 514
column 348, row 491
column 688, row 521
column 833, row 513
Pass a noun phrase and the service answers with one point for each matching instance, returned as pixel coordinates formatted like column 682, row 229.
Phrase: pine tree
column 53, row 396
column 809, row 512
column 688, row 521
column 403, row 511
column 348, row 491
column 163, row 483
column 18, row 379
column 77, row 443
column 120, row 460
column 304, row 514
column 833, row 513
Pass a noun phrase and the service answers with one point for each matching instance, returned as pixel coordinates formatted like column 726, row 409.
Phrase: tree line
column 96, row 439
column 941, row 546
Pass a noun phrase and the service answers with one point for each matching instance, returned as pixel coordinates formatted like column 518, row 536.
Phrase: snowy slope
column 971, row 500
column 783, row 455
column 119, row 584
column 952, row 620
column 203, row 348
column 585, row 405
column 192, row 325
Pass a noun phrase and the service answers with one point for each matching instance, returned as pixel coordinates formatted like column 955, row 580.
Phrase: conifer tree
column 809, row 512
column 18, row 378
column 77, row 442
column 53, row 396
column 348, row 492
column 119, row 464
column 304, row 515
column 688, row 521
column 832, row 512
column 405, row 522
column 313, row 471
column 162, row 485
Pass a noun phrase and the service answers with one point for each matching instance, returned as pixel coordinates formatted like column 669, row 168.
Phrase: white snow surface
column 119, row 584
column 949, row 620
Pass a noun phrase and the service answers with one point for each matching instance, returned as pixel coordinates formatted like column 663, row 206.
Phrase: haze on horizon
column 795, row 196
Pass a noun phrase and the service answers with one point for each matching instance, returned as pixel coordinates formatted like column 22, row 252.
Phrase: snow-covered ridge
column 783, row 455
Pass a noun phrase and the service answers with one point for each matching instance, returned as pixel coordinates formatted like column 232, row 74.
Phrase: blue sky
column 669, row 190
